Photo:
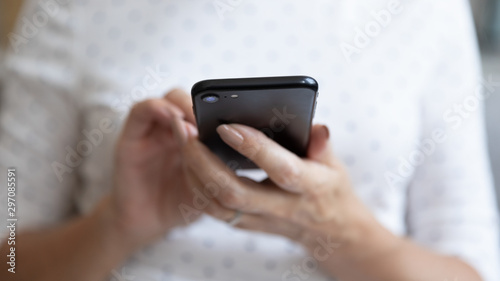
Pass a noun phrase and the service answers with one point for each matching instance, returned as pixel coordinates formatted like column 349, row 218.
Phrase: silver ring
column 236, row 219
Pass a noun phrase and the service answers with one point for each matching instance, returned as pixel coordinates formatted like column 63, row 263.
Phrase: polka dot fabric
column 384, row 92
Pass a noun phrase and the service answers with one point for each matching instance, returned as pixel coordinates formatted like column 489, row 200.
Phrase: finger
column 284, row 168
column 144, row 115
column 232, row 191
column 258, row 223
column 319, row 148
column 182, row 100
column 272, row 225
column 196, row 206
column 203, row 198
column 192, row 130
column 183, row 130
column 205, row 202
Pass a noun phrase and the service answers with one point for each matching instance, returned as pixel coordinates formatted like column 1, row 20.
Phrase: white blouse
column 400, row 89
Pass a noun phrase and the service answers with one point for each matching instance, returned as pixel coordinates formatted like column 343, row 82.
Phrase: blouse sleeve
column 39, row 116
column 451, row 201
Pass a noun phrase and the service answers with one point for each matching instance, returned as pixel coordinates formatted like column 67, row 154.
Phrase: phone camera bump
column 210, row 98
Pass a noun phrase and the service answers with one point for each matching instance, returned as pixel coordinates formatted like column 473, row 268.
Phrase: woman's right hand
column 149, row 182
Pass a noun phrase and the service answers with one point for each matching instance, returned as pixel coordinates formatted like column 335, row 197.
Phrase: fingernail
column 230, row 135
column 193, row 132
column 177, row 112
column 166, row 112
column 326, row 131
column 180, row 131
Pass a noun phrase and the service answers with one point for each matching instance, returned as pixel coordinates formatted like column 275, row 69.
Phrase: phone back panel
column 282, row 111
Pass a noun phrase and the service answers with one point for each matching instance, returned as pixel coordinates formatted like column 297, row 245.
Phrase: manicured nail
column 230, row 135
column 192, row 130
column 180, row 131
column 177, row 112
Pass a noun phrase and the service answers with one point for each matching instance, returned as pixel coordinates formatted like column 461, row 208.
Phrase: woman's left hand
column 307, row 200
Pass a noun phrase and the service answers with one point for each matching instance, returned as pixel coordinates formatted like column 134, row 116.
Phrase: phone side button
column 314, row 110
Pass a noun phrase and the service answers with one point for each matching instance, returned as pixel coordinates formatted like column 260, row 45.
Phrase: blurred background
column 487, row 20
column 8, row 15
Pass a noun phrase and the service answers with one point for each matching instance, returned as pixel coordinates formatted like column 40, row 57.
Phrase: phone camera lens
column 211, row 98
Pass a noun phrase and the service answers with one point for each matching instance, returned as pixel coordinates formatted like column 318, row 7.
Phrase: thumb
column 319, row 149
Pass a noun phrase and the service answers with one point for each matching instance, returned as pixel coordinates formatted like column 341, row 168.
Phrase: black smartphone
column 280, row 107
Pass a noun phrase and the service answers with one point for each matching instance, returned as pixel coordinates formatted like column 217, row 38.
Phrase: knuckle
column 253, row 145
column 222, row 178
column 214, row 210
column 288, row 175
column 259, row 153
column 319, row 192
column 298, row 215
column 252, row 148
column 138, row 107
column 178, row 97
column 176, row 92
column 232, row 199
column 150, row 103
column 322, row 212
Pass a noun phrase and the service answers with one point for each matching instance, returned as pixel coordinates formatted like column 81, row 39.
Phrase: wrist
column 359, row 239
column 373, row 241
column 368, row 240
column 113, row 234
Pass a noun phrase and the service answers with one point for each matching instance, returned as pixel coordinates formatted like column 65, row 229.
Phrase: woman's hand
column 306, row 200
column 149, row 182
column 310, row 201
